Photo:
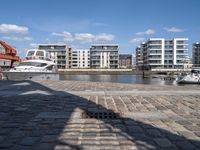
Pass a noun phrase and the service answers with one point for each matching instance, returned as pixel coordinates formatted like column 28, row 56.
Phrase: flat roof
column 104, row 44
column 168, row 39
column 52, row 45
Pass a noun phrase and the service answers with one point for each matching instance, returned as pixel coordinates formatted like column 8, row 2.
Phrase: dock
column 78, row 115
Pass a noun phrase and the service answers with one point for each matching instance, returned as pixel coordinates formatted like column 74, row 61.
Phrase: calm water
column 118, row 79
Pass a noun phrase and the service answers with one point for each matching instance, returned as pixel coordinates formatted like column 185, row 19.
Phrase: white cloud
column 173, row 29
column 86, row 37
column 67, row 36
column 18, row 39
column 147, row 32
column 11, row 28
column 104, row 37
column 137, row 40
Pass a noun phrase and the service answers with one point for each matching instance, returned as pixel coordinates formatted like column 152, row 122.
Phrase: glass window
column 30, row 53
column 50, row 67
column 39, row 53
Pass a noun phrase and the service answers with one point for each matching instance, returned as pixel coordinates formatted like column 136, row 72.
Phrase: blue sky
column 78, row 23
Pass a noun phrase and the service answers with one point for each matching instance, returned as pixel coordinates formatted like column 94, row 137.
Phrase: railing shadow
column 36, row 117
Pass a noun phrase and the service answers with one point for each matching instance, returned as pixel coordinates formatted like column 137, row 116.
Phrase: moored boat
column 190, row 78
column 37, row 66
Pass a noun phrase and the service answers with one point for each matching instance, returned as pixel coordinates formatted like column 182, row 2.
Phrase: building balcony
column 114, row 54
column 155, row 43
column 184, row 44
column 94, row 54
column 58, row 54
column 96, row 64
column 168, row 58
column 113, row 64
column 155, row 53
column 155, row 64
column 154, row 58
column 185, row 54
column 155, row 49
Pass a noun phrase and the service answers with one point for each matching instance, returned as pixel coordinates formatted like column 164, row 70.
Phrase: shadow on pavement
column 33, row 116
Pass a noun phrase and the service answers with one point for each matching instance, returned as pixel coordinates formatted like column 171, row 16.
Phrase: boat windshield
column 195, row 71
column 35, row 64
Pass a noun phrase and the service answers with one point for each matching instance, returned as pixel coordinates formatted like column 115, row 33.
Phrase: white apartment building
column 104, row 56
column 80, row 58
column 58, row 52
column 138, row 57
column 196, row 54
column 164, row 53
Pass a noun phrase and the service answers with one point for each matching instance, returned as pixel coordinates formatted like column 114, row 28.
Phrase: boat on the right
column 189, row 78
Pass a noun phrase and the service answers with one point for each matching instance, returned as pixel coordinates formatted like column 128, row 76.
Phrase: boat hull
column 188, row 80
column 30, row 76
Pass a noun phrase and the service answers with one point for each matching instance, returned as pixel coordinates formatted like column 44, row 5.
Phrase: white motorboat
column 190, row 78
column 37, row 66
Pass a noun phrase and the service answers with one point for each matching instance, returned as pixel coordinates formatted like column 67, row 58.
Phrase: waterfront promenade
column 62, row 115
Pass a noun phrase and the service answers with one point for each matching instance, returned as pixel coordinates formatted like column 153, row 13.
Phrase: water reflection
column 137, row 79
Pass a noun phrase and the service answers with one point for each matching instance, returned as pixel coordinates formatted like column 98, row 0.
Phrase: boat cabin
column 38, row 54
column 195, row 71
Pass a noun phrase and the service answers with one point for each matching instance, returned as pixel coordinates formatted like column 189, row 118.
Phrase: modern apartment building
column 125, row 60
column 104, row 56
column 58, row 52
column 196, row 54
column 80, row 58
column 139, row 58
column 164, row 53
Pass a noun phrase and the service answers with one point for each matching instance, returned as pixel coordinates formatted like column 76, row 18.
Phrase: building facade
column 196, row 54
column 80, row 58
column 138, row 57
column 125, row 60
column 104, row 56
column 58, row 53
column 164, row 53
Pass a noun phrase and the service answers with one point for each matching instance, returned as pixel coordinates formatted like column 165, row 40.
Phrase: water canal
column 135, row 79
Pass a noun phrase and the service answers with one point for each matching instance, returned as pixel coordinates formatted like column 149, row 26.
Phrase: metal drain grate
column 100, row 115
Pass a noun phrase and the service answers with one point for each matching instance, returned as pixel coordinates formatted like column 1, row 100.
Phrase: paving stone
column 197, row 133
column 53, row 115
column 163, row 142
column 184, row 145
column 49, row 138
column 192, row 128
column 174, row 137
column 6, row 145
column 150, row 117
column 109, row 142
column 44, row 146
column 154, row 132
column 66, row 147
column 21, row 147
column 184, row 122
column 128, row 147
column 90, row 147
column 1, row 138
column 188, row 135
column 135, row 129
column 17, row 134
column 5, row 131
column 109, row 147
column 29, row 141
column 196, row 143
column 145, row 145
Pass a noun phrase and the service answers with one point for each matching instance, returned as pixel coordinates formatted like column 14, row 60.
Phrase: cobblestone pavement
column 64, row 115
